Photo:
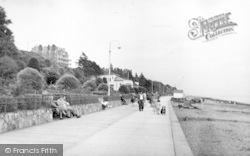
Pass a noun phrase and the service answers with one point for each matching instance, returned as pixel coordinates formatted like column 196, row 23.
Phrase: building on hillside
column 116, row 81
column 54, row 53
column 178, row 94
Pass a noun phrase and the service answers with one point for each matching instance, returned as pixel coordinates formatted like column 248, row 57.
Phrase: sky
column 153, row 35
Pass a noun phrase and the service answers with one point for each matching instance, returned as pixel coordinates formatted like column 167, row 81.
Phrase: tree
column 53, row 47
column 40, row 47
column 8, row 67
column 67, row 81
column 89, row 85
column 21, row 64
column 30, row 78
column 47, row 62
column 50, row 75
column 123, row 89
column 98, row 81
column 33, row 63
column 89, row 67
column 142, row 80
column 136, row 78
column 7, row 46
column 79, row 74
column 102, row 87
column 105, row 80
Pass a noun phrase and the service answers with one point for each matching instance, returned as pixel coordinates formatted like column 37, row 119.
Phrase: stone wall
column 27, row 118
column 94, row 107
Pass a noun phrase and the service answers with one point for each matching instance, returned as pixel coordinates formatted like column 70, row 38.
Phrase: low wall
column 24, row 118
column 94, row 107
column 28, row 118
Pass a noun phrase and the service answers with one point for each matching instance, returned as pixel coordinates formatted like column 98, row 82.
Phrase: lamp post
column 109, row 78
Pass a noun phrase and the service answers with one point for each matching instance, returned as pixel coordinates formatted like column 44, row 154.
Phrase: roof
column 178, row 91
column 119, row 79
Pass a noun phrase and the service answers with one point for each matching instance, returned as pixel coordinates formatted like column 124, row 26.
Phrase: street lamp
column 109, row 79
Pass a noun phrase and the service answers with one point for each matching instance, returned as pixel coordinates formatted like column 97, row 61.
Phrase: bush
column 61, row 71
column 131, row 90
column 50, row 75
column 79, row 74
column 47, row 62
column 30, row 78
column 8, row 67
column 21, row 64
column 33, row 63
column 67, row 82
column 89, row 85
column 142, row 89
column 99, row 81
column 124, row 89
column 102, row 87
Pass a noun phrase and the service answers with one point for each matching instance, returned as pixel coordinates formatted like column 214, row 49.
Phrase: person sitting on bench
column 63, row 103
column 104, row 103
column 58, row 109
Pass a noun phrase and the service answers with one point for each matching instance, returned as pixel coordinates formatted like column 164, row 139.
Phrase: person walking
column 141, row 101
column 132, row 100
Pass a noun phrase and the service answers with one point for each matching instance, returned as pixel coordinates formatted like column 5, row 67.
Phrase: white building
column 54, row 53
column 116, row 81
column 178, row 94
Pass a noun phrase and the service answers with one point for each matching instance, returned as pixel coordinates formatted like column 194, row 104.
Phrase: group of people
column 154, row 100
column 61, row 107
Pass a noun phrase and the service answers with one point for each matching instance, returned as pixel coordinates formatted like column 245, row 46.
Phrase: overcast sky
column 153, row 35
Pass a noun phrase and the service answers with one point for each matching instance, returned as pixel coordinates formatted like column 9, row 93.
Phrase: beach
column 216, row 128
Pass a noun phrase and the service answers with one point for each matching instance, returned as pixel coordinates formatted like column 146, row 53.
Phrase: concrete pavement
column 119, row 131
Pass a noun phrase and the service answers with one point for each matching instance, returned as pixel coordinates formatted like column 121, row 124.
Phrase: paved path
column 119, row 131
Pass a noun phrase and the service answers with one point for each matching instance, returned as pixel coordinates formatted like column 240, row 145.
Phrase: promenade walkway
column 121, row 131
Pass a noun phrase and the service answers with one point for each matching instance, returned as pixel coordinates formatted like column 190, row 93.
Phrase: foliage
column 61, row 71
column 136, row 90
column 50, row 75
column 90, row 85
column 98, row 81
column 124, row 73
column 7, row 46
column 136, row 78
column 88, row 67
column 47, row 62
column 124, row 89
column 33, row 63
column 142, row 80
column 102, row 87
column 142, row 89
column 30, row 78
column 8, row 67
column 68, row 70
column 21, row 64
column 79, row 74
column 131, row 90
column 104, row 80
column 67, row 81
